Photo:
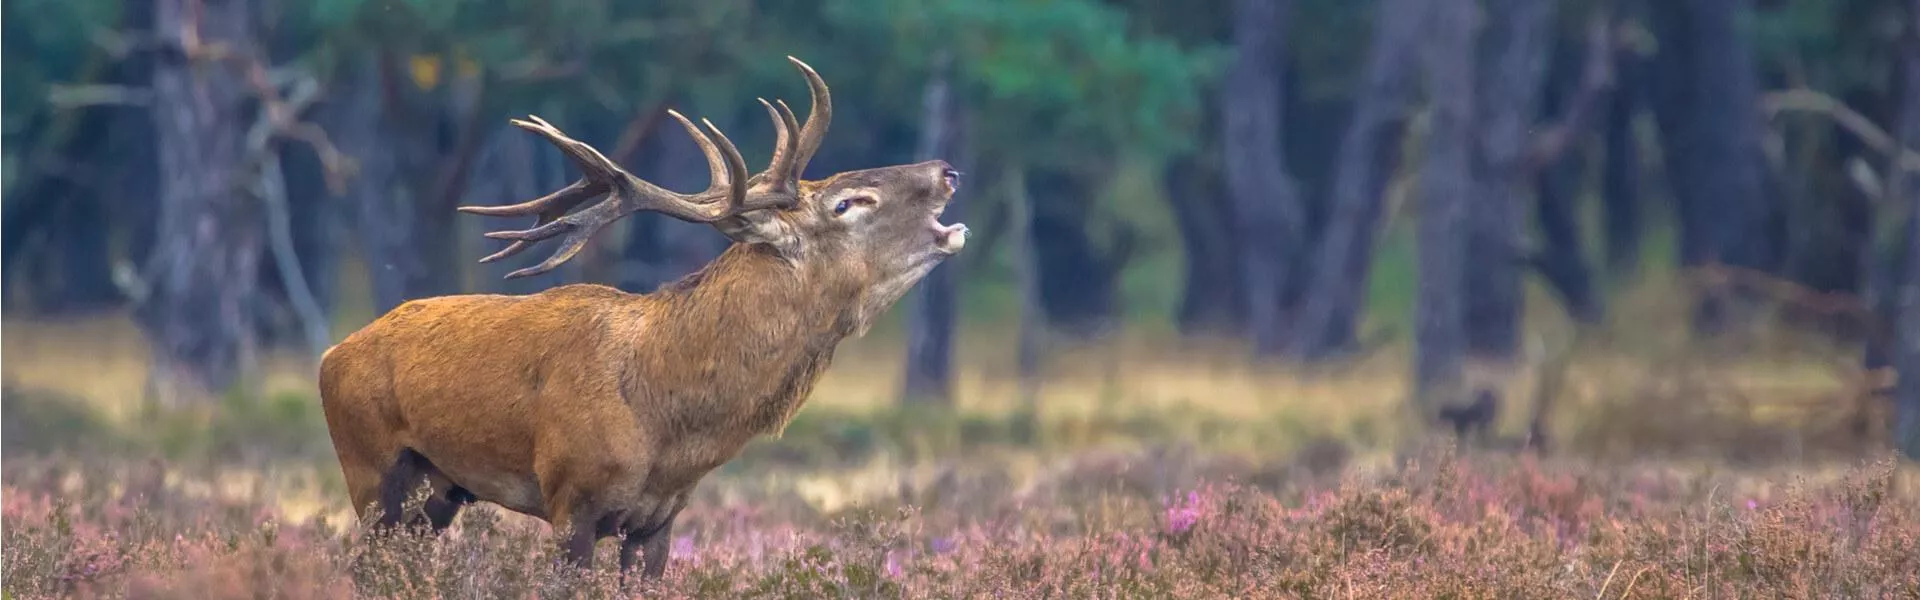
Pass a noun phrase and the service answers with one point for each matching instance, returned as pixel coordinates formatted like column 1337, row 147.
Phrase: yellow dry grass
column 1644, row 371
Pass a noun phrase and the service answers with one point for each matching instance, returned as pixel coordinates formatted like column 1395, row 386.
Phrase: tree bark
column 1211, row 301
column 433, row 137
column 1269, row 217
column 1078, row 281
column 1620, row 184
column 314, row 214
column 1033, row 317
column 1510, row 82
column 930, row 333
column 1715, row 166
column 205, row 262
column 374, row 195
column 1561, row 258
column 1906, row 426
column 1329, row 319
column 1446, row 185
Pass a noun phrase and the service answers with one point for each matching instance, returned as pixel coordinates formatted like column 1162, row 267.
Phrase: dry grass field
column 1151, row 469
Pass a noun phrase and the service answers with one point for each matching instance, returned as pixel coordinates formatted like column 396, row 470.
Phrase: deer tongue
column 949, row 238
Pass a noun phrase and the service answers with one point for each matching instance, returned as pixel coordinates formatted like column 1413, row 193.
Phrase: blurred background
column 1260, row 228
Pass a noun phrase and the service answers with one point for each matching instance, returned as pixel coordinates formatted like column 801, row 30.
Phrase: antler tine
column 776, row 187
column 558, row 202
column 549, row 208
column 780, row 168
column 716, row 163
column 736, row 191
column 792, row 124
column 817, row 120
column 723, row 197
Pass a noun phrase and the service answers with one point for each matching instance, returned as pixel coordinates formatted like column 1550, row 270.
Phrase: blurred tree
column 1905, row 191
column 1446, row 188
column 1342, row 260
column 1711, row 142
column 1517, row 40
column 1561, row 258
column 205, row 263
column 930, row 334
column 1621, row 186
column 66, row 109
column 1512, row 72
column 1269, row 219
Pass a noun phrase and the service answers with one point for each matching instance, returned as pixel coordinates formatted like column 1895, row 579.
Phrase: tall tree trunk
column 315, row 217
column 56, row 233
column 929, row 369
column 1561, row 258
column 1715, row 162
column 1906, row 427
column 1620, row 180
column 1078, row 282
column 1269, row 219
column 1330, row 310
column 1210, row 301
column 205, row 263
column 434, row 137
column 1033, row 316
column 374, row 192
column 1561, row 261
column 1446, row 187
column 1510, row 82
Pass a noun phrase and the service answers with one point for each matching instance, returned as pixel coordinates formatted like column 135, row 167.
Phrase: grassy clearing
column 1153, row 468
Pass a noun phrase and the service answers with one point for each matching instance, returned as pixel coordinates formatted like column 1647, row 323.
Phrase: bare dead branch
column 88, row 95
column 1812, row 101
column 1596, row 81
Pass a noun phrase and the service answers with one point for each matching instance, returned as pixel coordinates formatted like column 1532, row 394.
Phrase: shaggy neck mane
column 759, row 331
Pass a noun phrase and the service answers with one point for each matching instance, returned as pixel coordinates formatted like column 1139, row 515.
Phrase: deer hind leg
column 403, row 478
column 363, row 486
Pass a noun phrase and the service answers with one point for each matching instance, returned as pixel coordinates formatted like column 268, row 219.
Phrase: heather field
column 1141, row 476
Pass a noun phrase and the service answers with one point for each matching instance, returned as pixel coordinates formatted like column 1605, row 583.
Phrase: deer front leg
column 656, row 542
column 577, row 546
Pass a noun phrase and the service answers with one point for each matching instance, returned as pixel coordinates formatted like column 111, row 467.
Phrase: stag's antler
column 732, row 192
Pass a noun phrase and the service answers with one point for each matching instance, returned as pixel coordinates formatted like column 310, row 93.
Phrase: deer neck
column 746, row 337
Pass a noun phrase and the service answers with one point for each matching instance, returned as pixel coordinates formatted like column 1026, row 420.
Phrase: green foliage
column 1828, row 44
column 1056, row 83
column 53, row 45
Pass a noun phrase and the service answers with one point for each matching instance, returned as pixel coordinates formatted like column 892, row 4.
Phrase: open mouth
column 947, row 239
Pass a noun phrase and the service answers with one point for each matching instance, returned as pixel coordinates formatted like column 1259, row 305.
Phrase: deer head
column 877, row 227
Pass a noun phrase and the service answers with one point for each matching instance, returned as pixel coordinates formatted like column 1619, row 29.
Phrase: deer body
column 599, row 410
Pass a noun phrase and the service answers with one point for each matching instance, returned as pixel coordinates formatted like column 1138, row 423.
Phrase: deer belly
column 486, row 480
column 519, row 493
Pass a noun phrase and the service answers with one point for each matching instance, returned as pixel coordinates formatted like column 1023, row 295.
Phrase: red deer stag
column 598, row 410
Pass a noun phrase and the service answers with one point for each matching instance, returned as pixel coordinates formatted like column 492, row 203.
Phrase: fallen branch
column 1795, row 294
column 1807, row 100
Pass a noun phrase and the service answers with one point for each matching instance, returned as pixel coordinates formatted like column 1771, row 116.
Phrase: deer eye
column 847, row 203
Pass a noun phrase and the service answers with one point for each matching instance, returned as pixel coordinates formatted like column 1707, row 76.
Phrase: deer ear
column 758, row 227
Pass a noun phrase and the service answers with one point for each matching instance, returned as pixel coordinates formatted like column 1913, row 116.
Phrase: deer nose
column 948, row 174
